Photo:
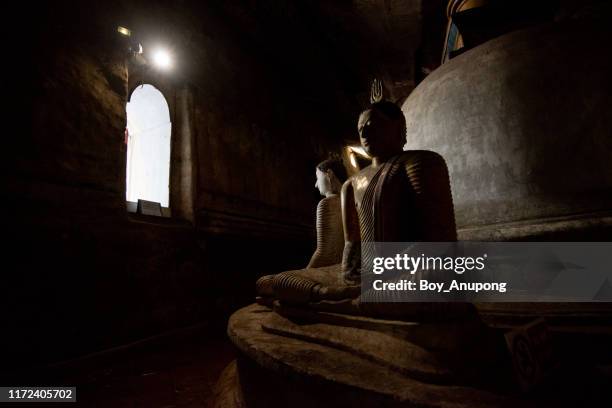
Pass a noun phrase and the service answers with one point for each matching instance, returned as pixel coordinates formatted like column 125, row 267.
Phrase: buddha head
column 330, row 176
column 382, row 130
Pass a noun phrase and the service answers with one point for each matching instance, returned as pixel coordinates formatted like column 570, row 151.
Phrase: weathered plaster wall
column 523, row 122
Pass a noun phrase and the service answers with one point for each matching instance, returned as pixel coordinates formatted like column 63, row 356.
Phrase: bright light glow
column 360, row 151
column 148, row 151
column 353, row 160
column 353, row 151
column 124, row 31
column 162, row 59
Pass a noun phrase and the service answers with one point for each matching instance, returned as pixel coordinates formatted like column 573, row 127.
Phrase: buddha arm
column 328, row 227
column 351, row 257
column 428, row 175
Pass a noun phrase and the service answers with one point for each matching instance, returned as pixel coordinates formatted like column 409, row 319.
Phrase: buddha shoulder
column 329, row 203
column 415, row 157
column 360, row 179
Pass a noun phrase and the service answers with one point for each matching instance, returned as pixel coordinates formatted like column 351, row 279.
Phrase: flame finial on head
column 376, row 91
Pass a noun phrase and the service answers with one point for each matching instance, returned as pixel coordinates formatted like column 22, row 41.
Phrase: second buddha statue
column 330, row 174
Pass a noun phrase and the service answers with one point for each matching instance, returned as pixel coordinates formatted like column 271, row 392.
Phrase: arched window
column 148, row 146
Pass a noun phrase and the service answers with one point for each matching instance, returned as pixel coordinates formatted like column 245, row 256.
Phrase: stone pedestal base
column 277, row 370
column 291, row 362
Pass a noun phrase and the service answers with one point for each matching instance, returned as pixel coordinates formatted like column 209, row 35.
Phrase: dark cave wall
column 84, row 275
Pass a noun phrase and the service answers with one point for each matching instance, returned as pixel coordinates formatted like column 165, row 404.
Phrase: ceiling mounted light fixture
column 124, row 31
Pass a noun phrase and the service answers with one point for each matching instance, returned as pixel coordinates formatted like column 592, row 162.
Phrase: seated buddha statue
column 403, row 196
column 330, row 174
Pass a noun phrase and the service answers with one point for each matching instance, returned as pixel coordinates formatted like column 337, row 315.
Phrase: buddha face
column 323, row 183
column 380, row 136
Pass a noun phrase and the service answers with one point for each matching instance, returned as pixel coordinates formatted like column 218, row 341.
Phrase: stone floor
column 178, row 373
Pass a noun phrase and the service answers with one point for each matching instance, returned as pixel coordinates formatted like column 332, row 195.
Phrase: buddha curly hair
column 390, row 111
column 336, row 166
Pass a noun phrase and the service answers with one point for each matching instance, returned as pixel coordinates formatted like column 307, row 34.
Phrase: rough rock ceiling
column 341, row 44
column 326, row 51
